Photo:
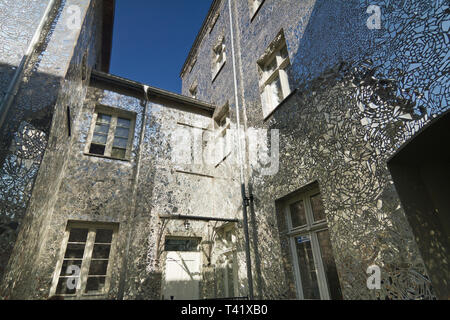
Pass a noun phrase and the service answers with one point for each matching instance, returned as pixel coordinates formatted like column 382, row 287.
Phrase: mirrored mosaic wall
column 37, row 126
column 359, row 94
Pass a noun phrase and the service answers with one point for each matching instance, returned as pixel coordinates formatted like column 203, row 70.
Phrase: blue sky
column 152, row 39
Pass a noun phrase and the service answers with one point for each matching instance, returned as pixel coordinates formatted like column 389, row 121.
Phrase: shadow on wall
column 23, row 141
column 421, row 172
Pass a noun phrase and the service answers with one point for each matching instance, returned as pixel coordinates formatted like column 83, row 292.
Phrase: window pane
column 103, row 118
column 101, row 251
column 69, row 267
column 120, row 142
column 123, row 122
column 271, row 66
column 317, row 207
column 78, row 235
column 181, row 245
column 99, row 138
column 97, row 149
column 74, row 251
column 276, row 92
column 307, row 268
column 284, row 53
column 64, row 284
column 298, row 215
column 122, row 132
column 98, row 267
column 118, row 153
column 103, row 236
column 329, row 265
column 95, row 284
column 101, row 128
column 230, row 278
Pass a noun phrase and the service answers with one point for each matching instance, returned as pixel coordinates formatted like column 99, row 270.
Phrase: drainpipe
column 245, row 202
column 133, row 206
column 14, row 85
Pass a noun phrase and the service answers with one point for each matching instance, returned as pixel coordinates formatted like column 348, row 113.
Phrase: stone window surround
column 219, row 49
column 114, row 113
column 219, row 125
column 227, row 256
column 254, row 6
column 214, row 21
column 193, row 90
column 311, row 228
column 192, row 64
column 265, row 79
column 92, row 227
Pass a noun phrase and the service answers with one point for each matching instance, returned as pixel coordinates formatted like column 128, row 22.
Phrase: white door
column 182, row 276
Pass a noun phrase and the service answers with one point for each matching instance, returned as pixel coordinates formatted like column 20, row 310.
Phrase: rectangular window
column 111, row 134
column 219, row 56
column 177, row 244
column 221, row 146
column 254, row 6
column 84, row 266
column 314, row 267
column 193, row 89
column 226, row 263
column 274, row 83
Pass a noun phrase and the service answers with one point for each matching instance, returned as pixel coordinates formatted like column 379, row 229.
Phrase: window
column 84, row 67
column 84, row 269
column 220, row 143
column 219, row 56
column 254, row 6
column 274, row 83
column 314, row 267
column 222, row 124
column 214, row 21
column 192, row 64
column 193, row 89
column 111, row 134
column 177, row 244
column 227, row 268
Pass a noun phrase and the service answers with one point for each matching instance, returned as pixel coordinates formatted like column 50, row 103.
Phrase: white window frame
column 115, row 114
column 310, row 229
column 87, row 256
column 218, row 50
column 268, row 77
column 229, row 251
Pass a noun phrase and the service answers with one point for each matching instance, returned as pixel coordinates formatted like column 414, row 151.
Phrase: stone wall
column 56, row 66
column 359, row 94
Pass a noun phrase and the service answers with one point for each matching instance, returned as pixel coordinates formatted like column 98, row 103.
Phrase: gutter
column 245, row 200
column 133, row 208
column 198, row 218
column 106, row 81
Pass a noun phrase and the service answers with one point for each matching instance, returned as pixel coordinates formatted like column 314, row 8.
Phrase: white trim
column 114, row 113
column 267, row 78
column 86, row 260
column 310, row 229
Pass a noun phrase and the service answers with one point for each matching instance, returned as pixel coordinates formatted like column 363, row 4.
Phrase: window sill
column 105, row 157
column 280, row 104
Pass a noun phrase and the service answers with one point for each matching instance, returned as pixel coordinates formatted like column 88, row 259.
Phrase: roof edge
column 215, row 4
column 108, row 11
column 137, row 87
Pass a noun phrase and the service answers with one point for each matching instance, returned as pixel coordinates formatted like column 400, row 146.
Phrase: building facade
column 277, row 174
